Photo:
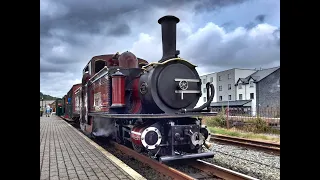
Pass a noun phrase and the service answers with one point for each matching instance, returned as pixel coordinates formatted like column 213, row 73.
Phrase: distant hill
column 47, row 97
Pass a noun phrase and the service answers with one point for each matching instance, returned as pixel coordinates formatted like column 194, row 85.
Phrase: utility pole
column 228, row 115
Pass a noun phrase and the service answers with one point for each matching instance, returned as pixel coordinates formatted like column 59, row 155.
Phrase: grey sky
column 213, row 34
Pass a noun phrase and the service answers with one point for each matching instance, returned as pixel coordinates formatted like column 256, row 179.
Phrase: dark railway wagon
column 59, row 107
column 71, row 112
column 64, row 105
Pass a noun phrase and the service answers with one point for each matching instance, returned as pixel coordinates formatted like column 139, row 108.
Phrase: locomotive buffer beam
column 152, row 116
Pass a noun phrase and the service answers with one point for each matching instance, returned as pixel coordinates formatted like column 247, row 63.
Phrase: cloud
column 73, row 31
column 261, row 18
column 211, row 47
column 58, row 83
column 210, row 5
column 119, row 30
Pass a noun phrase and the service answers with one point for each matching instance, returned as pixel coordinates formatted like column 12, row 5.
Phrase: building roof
column 207, row 74
column 259, row 75
column 231, row 103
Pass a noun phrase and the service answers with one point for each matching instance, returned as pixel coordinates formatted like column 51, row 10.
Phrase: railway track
column 273, row 148
column 208, row 170
column 218, row 171
column 212, row 171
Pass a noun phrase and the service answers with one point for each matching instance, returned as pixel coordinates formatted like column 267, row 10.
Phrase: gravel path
column 247, row 161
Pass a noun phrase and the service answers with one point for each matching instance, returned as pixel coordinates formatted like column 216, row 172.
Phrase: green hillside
column 47, row 97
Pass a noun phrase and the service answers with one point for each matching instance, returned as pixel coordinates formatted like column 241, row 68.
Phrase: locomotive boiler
column 147, row 106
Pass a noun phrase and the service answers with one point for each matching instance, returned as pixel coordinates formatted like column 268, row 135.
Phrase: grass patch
column 216, row 121
column 241, row 134
column 255, row 125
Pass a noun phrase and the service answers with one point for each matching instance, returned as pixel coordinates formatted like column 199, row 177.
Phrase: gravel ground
column 272, row 135
column 250, row 162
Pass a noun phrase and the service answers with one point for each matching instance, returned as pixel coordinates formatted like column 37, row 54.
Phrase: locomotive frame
column 149, row 107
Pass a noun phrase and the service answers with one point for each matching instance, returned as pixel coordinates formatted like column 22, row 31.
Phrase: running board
column 153, row 116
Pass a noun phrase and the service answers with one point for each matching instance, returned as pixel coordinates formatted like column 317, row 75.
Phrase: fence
column 272, row 117
column 239, row 118
column 271, row 114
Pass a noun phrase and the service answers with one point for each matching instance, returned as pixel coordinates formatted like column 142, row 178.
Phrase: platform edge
column 134, row 174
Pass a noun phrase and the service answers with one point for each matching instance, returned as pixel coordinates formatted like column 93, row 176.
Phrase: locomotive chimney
column 169, row 36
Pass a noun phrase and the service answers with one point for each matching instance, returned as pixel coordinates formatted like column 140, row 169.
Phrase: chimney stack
column 169, row 36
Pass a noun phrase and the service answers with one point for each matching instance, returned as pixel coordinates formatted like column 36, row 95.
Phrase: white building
column 227, row 79
column 247, row 88
column 212, row 78
column 224, row 84
column 243, row 89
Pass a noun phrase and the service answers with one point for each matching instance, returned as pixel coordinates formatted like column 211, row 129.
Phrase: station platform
column 65, row 153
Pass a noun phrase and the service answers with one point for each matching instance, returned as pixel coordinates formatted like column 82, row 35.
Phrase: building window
column 251, row 83
column 204, row 90
column 229, row 86
column 204, row 99
column 229, row 97
column 251, row 95
column 220, row 88
column 86, row 69
column 240, row 86
column 211, row 79
column 204, row 81
column 219, row 78
column 220, row 98
column 229, row 77
column 240, row 96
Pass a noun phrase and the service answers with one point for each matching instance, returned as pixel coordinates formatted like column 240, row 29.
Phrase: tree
column 47, row 97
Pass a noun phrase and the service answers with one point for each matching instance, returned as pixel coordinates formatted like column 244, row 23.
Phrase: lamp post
column 41, row 110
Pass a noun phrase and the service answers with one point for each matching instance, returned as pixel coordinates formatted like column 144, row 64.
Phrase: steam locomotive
column 149, row 107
